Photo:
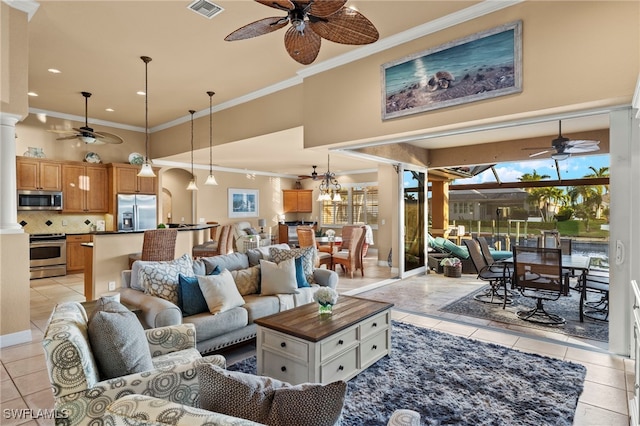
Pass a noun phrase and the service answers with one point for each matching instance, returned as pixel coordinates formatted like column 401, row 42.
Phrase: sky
column 572, row 168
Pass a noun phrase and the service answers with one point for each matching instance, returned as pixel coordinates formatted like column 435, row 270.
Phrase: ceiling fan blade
column 531, row 148
column 258, row 28
column 66, row 138
column 346, row 26
column 539, row 153
column 278, row 4
column 104, row 137
column 303, row 47
column 323, row 9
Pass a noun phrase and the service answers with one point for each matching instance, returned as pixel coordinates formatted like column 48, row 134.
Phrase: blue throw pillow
column 191, row 301
column 301, row 280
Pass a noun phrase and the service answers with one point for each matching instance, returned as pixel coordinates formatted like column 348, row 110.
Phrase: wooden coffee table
column 299, row 346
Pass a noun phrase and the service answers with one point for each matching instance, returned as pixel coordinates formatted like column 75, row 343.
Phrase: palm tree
column 600, row 190
column 536, row 195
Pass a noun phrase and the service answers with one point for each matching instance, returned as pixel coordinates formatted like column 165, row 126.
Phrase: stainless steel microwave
column 39, row 200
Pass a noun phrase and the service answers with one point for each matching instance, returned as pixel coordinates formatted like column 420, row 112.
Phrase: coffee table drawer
column 283, row 368
column 338, row 343
column 374, row 324
column 342, row 368
column 374, row 348
column 294, row 348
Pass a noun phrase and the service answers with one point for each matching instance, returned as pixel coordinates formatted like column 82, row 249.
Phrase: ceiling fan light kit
column 211, row 179
column 311, row 20
column 146, row 170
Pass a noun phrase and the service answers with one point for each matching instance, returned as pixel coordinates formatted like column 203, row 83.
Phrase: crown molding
column 27, row 6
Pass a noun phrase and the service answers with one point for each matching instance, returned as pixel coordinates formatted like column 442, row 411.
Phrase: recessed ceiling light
column 109, row 109
column 54, row 71
column 32, row 94
column 140, row 92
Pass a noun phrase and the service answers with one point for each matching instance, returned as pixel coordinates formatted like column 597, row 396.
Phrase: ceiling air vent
column 205, row 8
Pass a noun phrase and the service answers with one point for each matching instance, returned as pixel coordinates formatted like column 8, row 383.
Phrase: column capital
column 8, row 119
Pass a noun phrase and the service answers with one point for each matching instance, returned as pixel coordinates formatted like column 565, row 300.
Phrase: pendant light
column 192, row 183
column 146, row 170
column 329, row 186
column 211, row 179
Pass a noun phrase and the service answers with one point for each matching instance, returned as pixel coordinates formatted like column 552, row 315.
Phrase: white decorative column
column 8, row 207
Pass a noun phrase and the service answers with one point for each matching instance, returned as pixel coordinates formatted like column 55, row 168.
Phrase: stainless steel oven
column 47, row 255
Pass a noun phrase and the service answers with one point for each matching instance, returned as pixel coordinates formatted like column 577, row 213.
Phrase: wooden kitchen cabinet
column 85, row 188
column 125, row 180
column 76, row 253
column 297, row 200
column 38, row 175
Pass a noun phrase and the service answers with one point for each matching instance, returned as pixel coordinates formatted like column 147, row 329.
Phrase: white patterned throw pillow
column 307, row 254
column 160, row 279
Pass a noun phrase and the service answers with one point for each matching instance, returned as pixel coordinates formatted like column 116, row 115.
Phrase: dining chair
column 223, row 245
column 497, row 274
column 595, row 280
column 157, row 245
column 307, row 238
column 538, row 274
column 351, row 260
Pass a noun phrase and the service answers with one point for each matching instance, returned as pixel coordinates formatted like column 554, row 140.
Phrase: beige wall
column 14, row 288
column 568, row 49
column 14, row 61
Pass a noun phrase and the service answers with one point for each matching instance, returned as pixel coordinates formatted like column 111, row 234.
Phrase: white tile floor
column 608, row 385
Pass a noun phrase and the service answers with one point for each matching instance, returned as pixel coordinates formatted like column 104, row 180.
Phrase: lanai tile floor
column 609, row 383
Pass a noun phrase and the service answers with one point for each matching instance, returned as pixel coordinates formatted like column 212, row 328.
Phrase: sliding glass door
column 414, row 207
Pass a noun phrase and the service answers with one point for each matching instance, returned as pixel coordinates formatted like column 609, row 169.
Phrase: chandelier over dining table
column 329, row 186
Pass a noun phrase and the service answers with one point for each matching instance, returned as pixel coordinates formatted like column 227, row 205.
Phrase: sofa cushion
column 160, row 279
column 307, row 254
column 118, row 341
column 278, row 278
column 247, row 280
column 220, row 292
column 254, row 255
column 270, row 401
column 259, row 306
column 231, row 261
column 191, row 301
column 301, row 279
column 209, row 326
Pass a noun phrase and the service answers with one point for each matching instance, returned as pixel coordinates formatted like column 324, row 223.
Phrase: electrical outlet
column 64, row 222
column 112, row 285
column 202, row 220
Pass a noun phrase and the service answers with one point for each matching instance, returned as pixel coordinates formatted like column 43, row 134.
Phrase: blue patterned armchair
column 81, row 397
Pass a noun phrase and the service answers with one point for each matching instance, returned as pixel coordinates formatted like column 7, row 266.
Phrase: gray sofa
column 215, row 332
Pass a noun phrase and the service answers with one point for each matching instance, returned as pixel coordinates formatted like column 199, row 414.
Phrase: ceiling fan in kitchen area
column 562, row 148
column 85, row 133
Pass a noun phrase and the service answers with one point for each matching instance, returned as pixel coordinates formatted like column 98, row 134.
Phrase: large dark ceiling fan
column 562, row 148
column 85, row 133
column 310, row 21
column 313, row 175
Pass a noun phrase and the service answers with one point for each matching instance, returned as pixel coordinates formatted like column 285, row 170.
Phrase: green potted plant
column 452, row 267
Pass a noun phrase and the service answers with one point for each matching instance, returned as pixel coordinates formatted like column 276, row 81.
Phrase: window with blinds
column 358, row 205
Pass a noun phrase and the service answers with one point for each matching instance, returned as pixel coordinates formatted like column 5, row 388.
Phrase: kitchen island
column 109, row 252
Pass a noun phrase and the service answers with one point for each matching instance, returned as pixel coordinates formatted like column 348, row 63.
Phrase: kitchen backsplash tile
column 45, row 222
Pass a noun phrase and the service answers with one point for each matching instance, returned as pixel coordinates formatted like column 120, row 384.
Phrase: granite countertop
column 194, row 227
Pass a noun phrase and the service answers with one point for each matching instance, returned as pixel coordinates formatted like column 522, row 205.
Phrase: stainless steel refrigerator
column 137, row 212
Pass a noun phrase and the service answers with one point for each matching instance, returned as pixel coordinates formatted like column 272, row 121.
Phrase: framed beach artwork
column 481, row 66
column 243, row 202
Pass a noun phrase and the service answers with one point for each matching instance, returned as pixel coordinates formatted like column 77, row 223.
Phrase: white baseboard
column 15, row 338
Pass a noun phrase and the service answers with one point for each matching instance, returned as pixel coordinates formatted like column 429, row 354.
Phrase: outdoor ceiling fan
column 313, row 175
column 562, row 148
column 311, row 20
column 85, row 133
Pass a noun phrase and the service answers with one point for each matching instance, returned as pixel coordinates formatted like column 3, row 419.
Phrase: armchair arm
column 177, row 383
column 141, row 410
column 325, row 277
column 164, row 340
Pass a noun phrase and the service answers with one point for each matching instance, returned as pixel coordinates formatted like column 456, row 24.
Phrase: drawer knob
column 283, row 368
column 341, row 368
column 375, row 324
column 283, row 344
column 340, row 342
column 374, row 347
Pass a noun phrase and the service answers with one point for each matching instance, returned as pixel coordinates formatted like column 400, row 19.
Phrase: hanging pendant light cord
column 146, row 60
column 192, row 112
column 210, row 132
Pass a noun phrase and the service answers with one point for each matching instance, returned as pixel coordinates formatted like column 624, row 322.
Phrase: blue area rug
column 452, row 380
column 568, row 307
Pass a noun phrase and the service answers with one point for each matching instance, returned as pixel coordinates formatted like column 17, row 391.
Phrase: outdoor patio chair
column 538, row 274
column 497, row 274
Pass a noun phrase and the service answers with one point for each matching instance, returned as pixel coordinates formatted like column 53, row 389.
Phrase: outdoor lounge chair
column 442, row 245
